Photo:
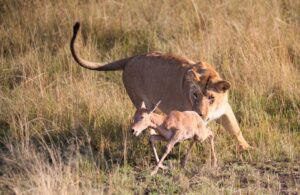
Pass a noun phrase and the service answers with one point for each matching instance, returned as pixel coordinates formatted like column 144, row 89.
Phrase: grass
column 63, row 129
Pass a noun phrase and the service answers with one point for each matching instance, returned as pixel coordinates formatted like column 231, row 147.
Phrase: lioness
column 180, row 83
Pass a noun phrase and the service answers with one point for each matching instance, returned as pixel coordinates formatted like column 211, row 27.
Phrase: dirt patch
column 288, row 174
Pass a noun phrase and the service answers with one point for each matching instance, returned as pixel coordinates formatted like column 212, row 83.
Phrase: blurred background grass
column 63, row 129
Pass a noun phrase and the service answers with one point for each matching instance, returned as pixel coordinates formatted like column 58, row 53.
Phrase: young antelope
column 173, row 128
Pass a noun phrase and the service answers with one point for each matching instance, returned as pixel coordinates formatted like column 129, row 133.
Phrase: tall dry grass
column 63, row 129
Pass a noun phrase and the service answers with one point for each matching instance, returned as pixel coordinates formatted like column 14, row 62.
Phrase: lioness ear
column 222, row 86
column 192, row 75
column 143, row 106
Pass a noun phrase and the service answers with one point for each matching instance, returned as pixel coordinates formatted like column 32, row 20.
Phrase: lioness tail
column 117, row 65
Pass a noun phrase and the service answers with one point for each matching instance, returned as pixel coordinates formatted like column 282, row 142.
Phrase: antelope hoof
column 154, row 172
column 215, row 165
column 163, row 167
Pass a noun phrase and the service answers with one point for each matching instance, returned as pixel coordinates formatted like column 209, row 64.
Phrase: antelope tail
column 117, row 65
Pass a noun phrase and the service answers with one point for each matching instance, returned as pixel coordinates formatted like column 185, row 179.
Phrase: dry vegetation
column 63, row 129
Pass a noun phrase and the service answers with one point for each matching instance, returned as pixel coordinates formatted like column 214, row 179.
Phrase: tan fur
column 180, row 83
column 174, row 128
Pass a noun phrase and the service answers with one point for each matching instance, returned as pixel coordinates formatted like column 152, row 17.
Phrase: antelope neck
column 156, row 120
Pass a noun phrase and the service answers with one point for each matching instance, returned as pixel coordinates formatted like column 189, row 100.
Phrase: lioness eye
column 211, row 98
column 195, row 96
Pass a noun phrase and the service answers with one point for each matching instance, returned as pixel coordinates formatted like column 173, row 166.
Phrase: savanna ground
column 64, row 129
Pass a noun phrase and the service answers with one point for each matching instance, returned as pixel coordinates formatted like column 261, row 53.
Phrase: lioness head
column 207, row 92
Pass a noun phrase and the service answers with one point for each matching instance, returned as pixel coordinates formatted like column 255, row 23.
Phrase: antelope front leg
column 170, row 145
column 154, row 138
column 213, row 153
column 183, row 162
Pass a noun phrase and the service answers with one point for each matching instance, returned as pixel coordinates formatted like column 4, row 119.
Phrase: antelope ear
column 143, row 106
column 222, row 86
column 156, row 105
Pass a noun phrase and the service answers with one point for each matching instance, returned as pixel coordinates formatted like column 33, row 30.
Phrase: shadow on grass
column 103, row 147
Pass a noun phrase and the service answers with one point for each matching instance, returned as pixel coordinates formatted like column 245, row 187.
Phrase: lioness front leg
column 229, row 122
